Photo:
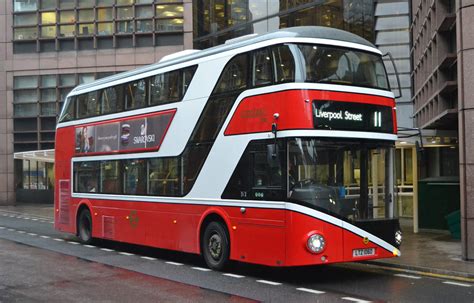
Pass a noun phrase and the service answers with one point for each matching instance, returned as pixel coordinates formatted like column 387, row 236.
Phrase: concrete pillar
column 7, row 192
column 465, row 57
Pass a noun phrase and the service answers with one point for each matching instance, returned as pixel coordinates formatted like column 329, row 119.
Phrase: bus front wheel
column 215, row 246
column 84, row 227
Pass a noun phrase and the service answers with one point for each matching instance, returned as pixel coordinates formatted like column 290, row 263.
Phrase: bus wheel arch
column 84, row 223
column 214, row 240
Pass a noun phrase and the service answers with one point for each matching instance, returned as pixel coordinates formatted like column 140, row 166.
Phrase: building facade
column 442, row 57
column 50, row 46
column 216, row 21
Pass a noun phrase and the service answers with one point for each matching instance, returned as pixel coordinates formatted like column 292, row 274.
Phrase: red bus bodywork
column 274, row 237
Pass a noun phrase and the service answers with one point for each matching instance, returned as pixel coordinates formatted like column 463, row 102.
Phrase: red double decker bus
column 276, row 149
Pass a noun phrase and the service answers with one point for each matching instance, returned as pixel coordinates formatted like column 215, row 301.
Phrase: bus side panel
column 299, row 227
column 167, row 226
column 258, row 235
column 64, row 214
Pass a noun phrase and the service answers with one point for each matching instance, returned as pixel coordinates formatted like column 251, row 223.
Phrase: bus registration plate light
column 363, row 252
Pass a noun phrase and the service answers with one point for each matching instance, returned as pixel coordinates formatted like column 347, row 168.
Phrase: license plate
column 363, row 252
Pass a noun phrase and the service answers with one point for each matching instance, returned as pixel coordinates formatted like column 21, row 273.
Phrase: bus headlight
column 398, row 237
column 316, row 243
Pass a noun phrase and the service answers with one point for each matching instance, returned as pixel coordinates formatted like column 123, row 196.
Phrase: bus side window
column 163, row 177
column 110, row 100
column 284, row 64
column 234, row 77
column 135, row 177
column 87, row 105
column 111, row 177
column 262, row 68
column 86, row 177
column 165, row 88
column 187, row 75
column 70, row 111
column 136, row 94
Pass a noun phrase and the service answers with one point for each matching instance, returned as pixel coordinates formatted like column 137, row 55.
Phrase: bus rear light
column 316, row 243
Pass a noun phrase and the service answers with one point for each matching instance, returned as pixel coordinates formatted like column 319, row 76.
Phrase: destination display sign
column 144, row 133
column 336, row 115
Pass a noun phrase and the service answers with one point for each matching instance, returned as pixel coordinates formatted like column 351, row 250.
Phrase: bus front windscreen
column 344, row 66
column 350, row 179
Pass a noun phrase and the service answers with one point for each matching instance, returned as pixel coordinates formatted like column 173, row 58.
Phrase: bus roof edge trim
column 316, row 32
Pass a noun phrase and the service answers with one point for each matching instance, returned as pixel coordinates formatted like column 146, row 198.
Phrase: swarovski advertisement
column 128, row 135
column 336, row 115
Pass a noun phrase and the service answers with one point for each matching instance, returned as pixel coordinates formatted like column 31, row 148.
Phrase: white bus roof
column 317, row 32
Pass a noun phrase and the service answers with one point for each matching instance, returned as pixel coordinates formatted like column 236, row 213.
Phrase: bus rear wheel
column 84, row 227
column 215, row 246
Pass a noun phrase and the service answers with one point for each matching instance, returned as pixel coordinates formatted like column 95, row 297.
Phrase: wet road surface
column 183, row 276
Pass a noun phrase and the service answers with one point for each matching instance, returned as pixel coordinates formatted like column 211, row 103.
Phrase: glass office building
column 216, row 21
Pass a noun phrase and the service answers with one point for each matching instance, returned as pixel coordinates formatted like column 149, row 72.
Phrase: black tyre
column 84, row 227
column 215, row 246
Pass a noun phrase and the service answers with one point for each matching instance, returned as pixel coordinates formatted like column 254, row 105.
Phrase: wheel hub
column 215, row 246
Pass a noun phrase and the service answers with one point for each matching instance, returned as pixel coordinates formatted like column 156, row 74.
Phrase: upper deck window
column 326, row 64
column 156, row 90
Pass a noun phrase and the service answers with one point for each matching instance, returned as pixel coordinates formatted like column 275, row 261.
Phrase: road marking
column 26, row 218
column 45, row 237
column 407, row 276
column 269, row 282
column 107, row 249
column 72, row 242
column 233, row 276
column 11, row 229
column 313, row 291
column 126, row 253
column 201, row 268
column 34, row 219
column 174, row 263
column 148, row 258
column 457, row 284
column 21, row 231
column 1, row 227
column 57, row 239
column 355, row 300
column 52, row 222
column 32, row 234
column 89, row 246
